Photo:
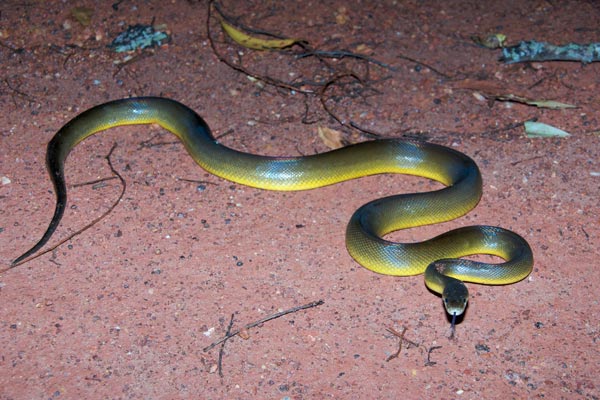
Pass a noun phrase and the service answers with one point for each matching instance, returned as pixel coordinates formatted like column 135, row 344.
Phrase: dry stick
column 94, row 222
column 149, row 142
column 525, row 160
column 197, row 181
column 350, row 124
column 22, row 94
column 158, row 144
column 342, row 54
column 587, row 235
column 367, row 132
column 138, row 57
column 222, row 349
column 94, row 182
column 262, row 321
column 440, row 73
column 430, row 363
column 400, row 335
column 331, row 82
column 506, row 128
column 14, row 50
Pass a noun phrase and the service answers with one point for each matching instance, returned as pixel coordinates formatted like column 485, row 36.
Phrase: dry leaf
column 83, row 15
column 253, row 42
column 363, row 49
column 495, row 92
column 555, row 105
column 538, row 129
column 244, row 334
column 492, row 41
column 331, row 138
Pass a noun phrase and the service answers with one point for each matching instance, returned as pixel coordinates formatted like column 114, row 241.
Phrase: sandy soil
column 124, row 310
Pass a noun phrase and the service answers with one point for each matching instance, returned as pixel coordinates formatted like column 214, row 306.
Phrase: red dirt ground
column 124, row 310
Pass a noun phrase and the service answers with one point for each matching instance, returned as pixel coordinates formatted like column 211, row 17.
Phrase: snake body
column 437, row 258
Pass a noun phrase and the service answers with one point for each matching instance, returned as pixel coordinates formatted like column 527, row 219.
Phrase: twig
column 94, row 182
column 430, row 363
column 149, row 142
column 424, row 65
column 144, row 53
column 20, row 93
column 197, row 181
column 262, row 321
column 508, row 127
column 525, row 160
column 222, row 349
column 330, row 83
column 365, row 131
column 18, row 50
column 348, row 124
column 400, row 335
column 343, row 54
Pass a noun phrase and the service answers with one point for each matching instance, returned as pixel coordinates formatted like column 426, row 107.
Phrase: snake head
column 455, row 297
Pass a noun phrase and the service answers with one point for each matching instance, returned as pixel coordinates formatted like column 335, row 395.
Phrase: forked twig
column 262, row 321
column 399, row 335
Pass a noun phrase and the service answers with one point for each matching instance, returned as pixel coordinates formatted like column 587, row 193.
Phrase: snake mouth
column 456, row 306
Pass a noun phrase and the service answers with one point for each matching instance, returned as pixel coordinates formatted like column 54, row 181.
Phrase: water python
column 437, row 258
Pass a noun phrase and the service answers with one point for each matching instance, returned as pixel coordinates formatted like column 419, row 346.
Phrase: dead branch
column 262, row 321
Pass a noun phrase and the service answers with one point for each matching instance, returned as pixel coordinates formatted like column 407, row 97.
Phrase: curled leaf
column 252, row 42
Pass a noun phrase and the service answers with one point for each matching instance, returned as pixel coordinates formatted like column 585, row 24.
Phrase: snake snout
column 455, row 297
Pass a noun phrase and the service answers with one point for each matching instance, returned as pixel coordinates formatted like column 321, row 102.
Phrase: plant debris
column 552, row 104
column 261, row 321
column 255, row 43
column 541, row 51
column 537, row 129
column 83, row 15
column 138, row 37
column 492, row 41
column 332, row 138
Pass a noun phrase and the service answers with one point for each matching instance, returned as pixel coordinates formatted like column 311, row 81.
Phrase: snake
column 440, row 259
